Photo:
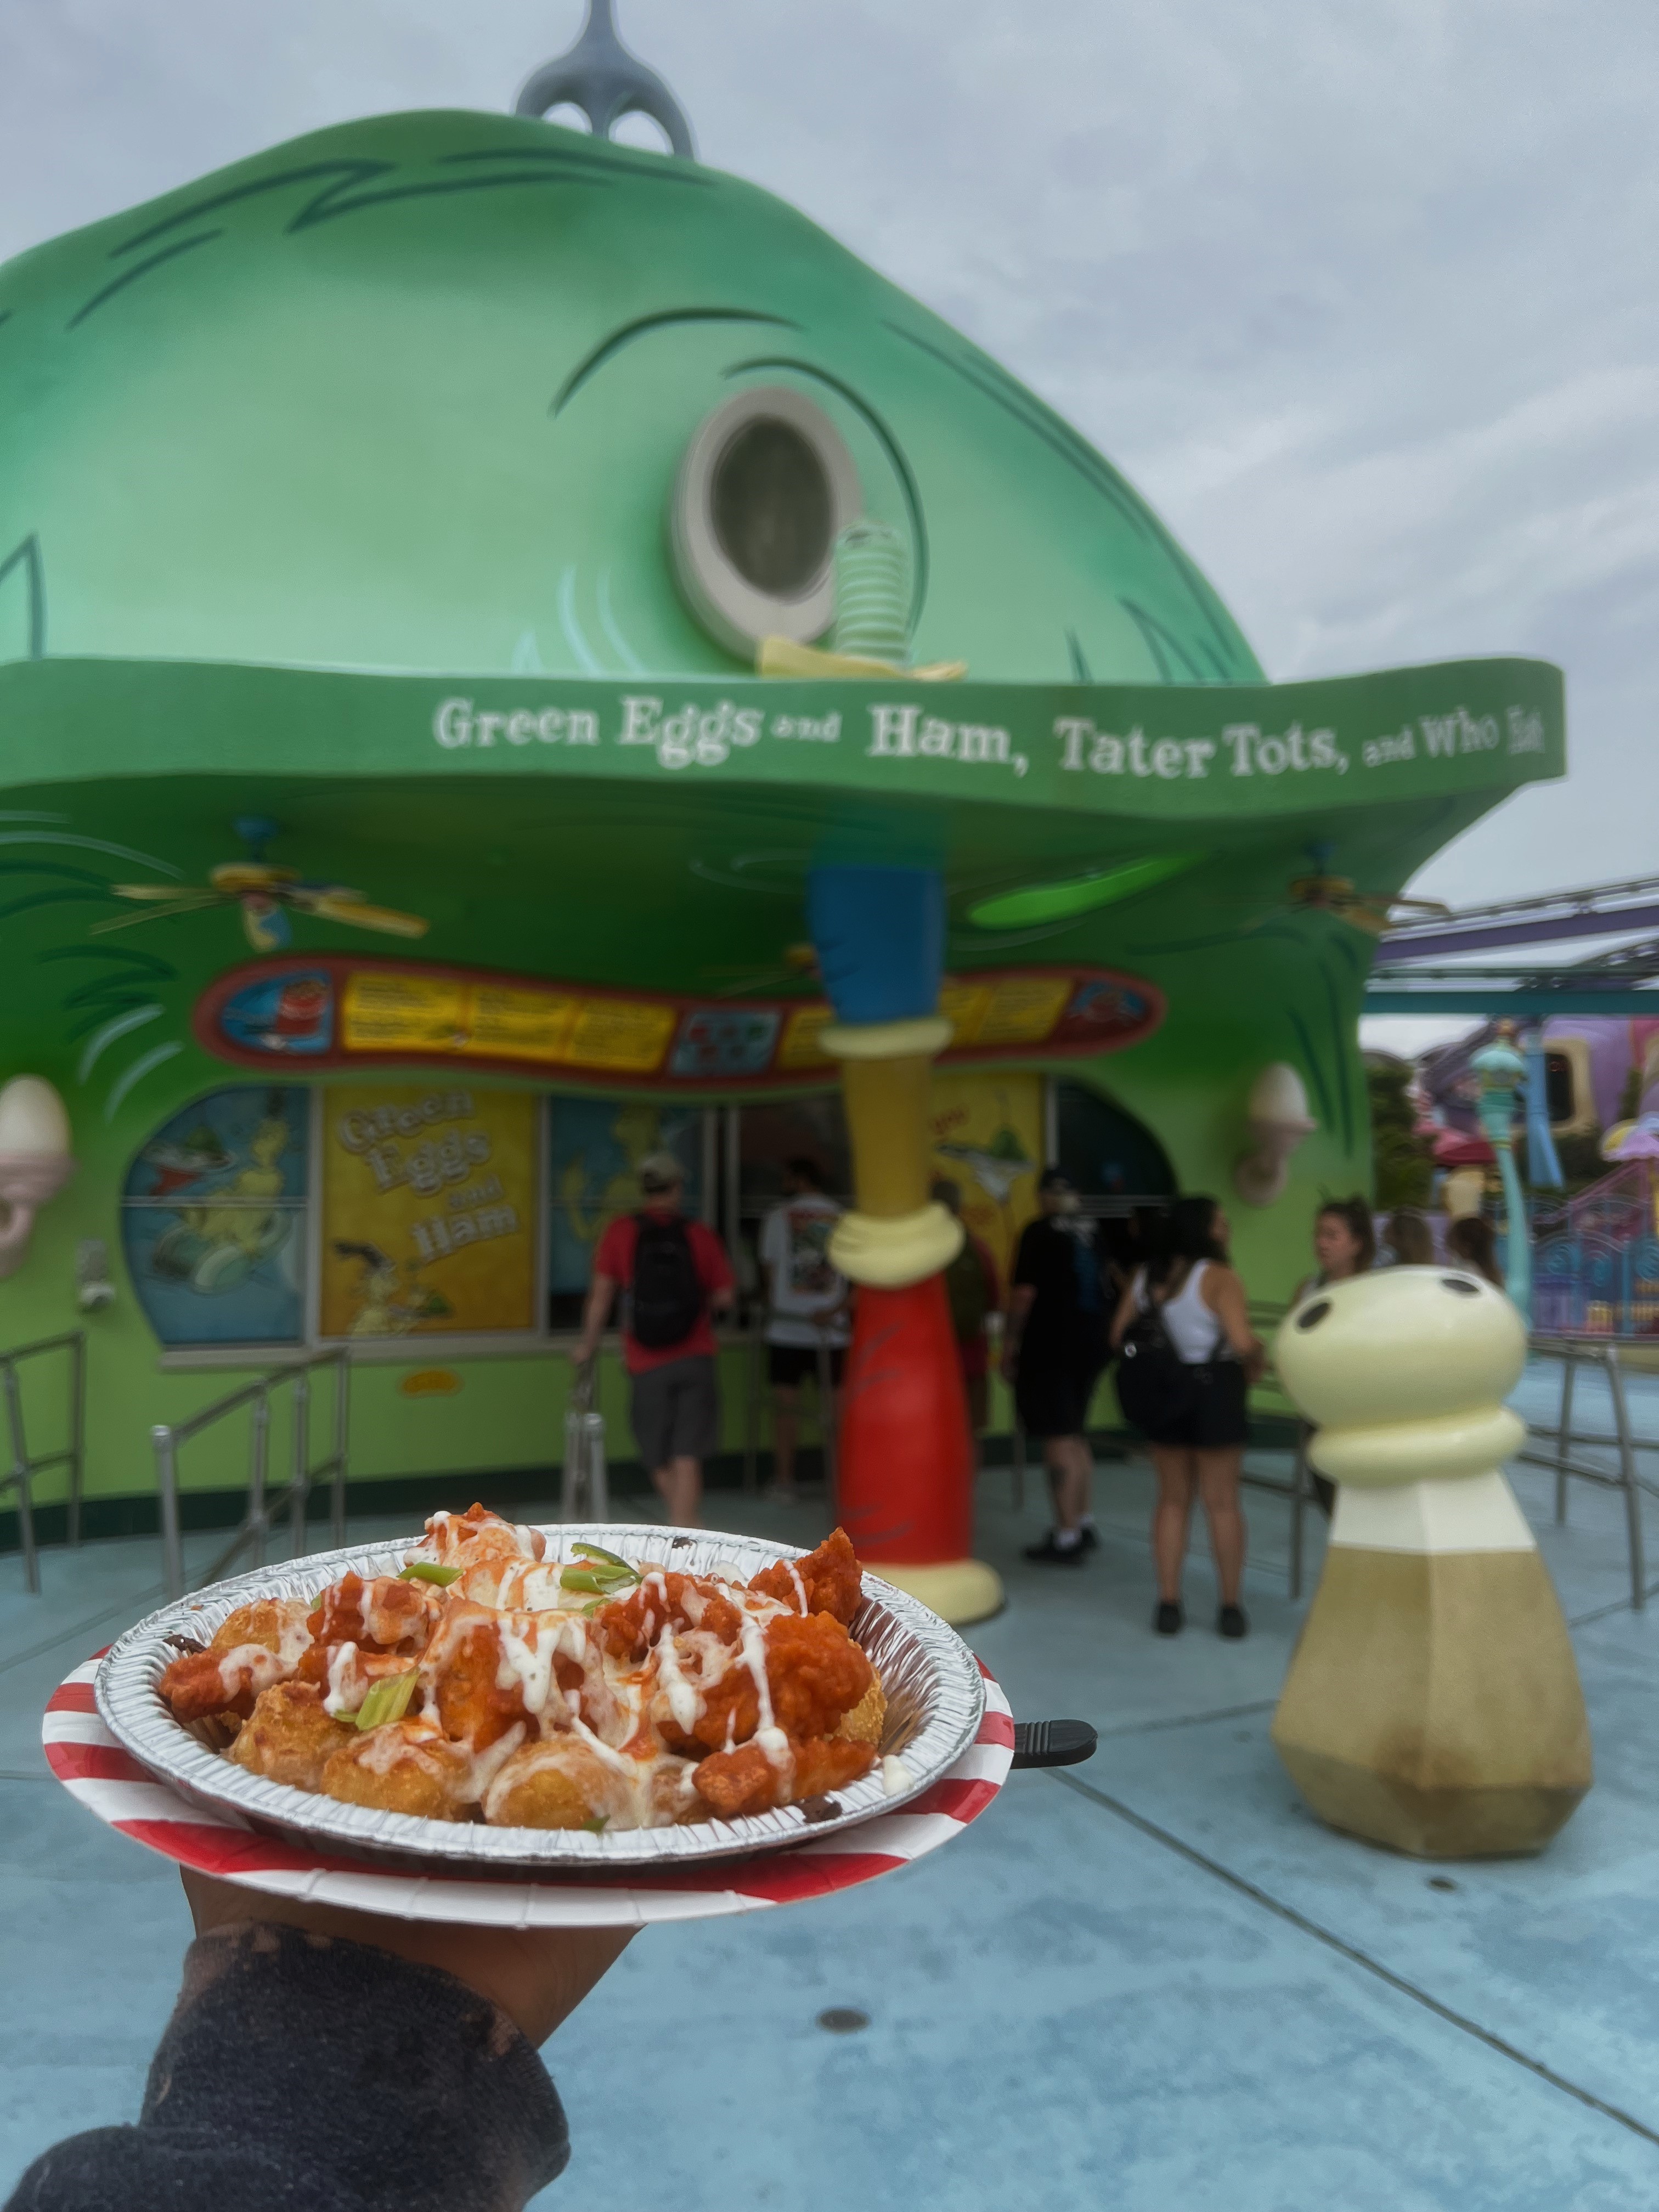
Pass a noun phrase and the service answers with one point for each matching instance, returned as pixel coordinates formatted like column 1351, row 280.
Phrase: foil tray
column 935, row 1700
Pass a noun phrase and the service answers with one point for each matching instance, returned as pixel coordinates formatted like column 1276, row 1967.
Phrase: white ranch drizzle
column 684, row 1702
column 294, row 1638
column 341, row 1663
column 800, row 1587
column 488, row 1764
column 769, row 1736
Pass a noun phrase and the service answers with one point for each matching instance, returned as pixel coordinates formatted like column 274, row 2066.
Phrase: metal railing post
column 258, row 1443
column 77, row 1431
column 1628, row 1478
column 166, row 1484
column 300, row 1487
column 1569, row 1371
column 342, row 1423
column 20, row 1477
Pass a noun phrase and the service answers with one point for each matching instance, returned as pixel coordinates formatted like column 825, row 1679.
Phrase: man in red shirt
column 675, row 1275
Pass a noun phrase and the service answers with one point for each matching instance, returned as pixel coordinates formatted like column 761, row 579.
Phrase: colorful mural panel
column 596, row 1145
column 213, row 1220
column 988, row 1138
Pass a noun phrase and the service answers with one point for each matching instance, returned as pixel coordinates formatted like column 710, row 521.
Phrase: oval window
column 766, row 485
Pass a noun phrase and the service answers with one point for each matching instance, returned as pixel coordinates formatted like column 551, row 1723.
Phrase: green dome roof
column 413, row 393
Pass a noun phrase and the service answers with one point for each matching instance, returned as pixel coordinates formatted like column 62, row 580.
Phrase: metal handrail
column 262, row 1508
column 23, row 1469
column 1602, row 1352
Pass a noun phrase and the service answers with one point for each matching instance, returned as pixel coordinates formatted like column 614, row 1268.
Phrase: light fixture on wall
column 93, row 1289
column 1279, row 1118
column 35, row 1161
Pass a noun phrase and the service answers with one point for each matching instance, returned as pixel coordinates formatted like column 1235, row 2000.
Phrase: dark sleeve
column 302, row 2074
column 1027, row 1272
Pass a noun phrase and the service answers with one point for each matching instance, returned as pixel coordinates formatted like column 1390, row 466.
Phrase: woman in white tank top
column 1197, row 1451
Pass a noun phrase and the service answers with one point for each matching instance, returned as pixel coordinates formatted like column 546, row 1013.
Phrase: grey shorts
column 677, row 1411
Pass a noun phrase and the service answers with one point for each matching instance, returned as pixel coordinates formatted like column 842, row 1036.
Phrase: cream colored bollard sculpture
column 1433, row 1703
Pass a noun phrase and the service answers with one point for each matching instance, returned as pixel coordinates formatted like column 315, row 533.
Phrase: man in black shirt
column 1053, row 1355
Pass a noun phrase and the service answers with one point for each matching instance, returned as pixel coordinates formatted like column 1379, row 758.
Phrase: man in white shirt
column 806, row 1307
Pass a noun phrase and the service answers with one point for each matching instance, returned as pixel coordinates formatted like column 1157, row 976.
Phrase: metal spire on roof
column 601, row 77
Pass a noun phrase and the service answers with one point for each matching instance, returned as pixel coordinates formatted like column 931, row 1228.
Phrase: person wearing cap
column 1054, row 1351
column 675, row 1277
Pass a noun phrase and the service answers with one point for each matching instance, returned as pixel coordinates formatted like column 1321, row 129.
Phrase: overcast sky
column 1363, row 297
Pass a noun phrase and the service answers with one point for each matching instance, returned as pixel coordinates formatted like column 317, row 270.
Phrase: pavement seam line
column 1606, row 1612
column 1190, row 1720
column 1373, row 1967
column 83, row 1627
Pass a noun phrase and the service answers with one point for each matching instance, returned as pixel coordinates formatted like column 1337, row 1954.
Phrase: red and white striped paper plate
column 111, row 1785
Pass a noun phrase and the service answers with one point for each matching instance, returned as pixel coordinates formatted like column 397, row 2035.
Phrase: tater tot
column 277, row 1623
column 865, row 1723
column 407, row 1766
column 561, row 1783
column 290, row 1738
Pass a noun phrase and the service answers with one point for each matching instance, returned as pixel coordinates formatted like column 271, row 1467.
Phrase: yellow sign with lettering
column 429, row 1211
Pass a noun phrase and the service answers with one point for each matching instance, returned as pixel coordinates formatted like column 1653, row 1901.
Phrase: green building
column 390, row 523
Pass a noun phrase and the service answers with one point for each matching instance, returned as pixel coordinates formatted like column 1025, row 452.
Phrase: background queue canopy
column 404, row 506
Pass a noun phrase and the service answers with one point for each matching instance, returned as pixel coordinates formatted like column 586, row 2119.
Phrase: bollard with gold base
column 1433, row 1702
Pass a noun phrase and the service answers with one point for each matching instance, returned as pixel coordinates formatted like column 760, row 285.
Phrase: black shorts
column 789, row 1365
column 1053, row 1400
column 1216, row 1417
column 677, row 1410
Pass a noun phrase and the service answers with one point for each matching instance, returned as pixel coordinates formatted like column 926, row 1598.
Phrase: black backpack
column 1155, row 1385
column 667, row 1296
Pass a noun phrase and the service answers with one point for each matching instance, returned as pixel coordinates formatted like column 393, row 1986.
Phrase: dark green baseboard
column 135, row 1514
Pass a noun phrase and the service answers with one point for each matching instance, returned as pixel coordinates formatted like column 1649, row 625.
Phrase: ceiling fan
column 266, row 894
column 796, row 964
column 1374, row 912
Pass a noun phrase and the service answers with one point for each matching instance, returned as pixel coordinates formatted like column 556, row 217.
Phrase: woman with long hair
column 1473, row 1246
column 1411, row 1240
column 1198, row 1442
column 1345, row 1244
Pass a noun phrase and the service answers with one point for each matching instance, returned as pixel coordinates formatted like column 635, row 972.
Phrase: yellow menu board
column 986, row 1130
column 429, row 1209
column 384, row 1011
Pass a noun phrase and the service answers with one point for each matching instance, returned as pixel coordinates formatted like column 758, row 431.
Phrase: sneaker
column 1088, row 1536
column 1230, row 1621
column 1049, row 1553
column 1168, row 1619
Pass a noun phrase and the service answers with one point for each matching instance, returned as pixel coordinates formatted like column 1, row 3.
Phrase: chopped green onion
column 428, row 1570
column 604, row 1580
column 388, row 1699
column 597, row 1824
column 599, row 1551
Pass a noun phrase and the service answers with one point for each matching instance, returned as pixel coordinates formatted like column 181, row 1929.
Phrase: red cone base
column 905, row 1479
